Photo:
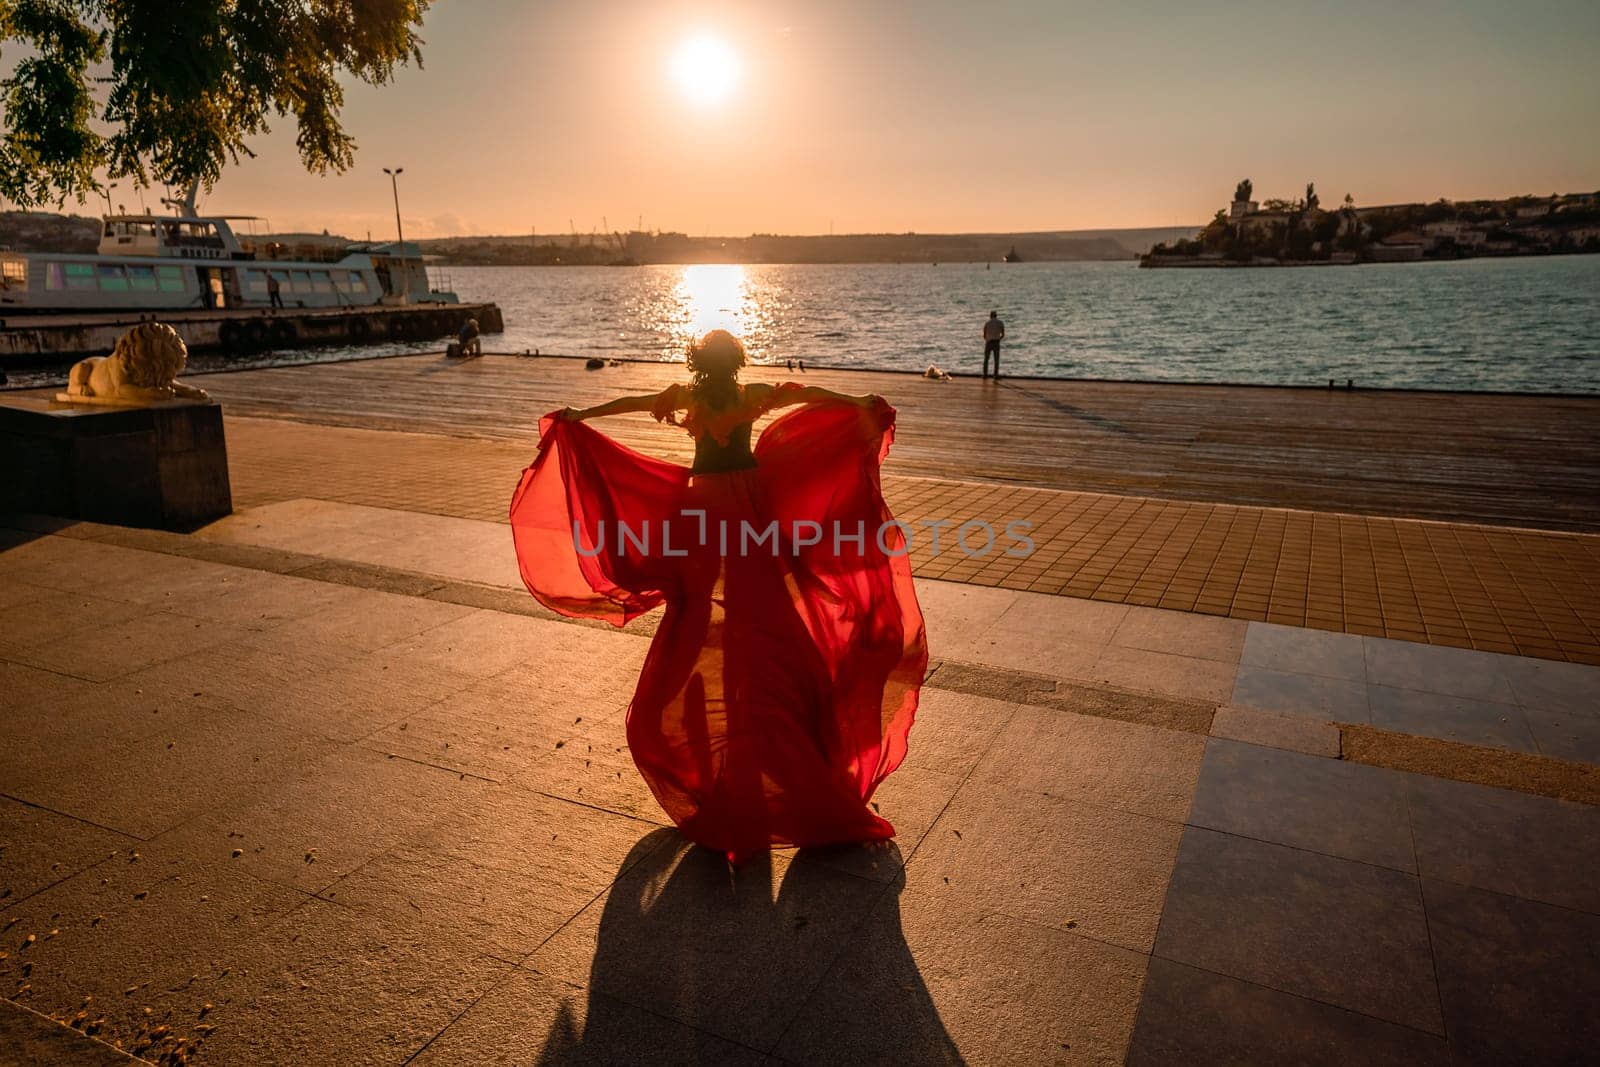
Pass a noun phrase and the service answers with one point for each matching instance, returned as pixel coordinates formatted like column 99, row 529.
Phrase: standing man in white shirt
column 993, row 331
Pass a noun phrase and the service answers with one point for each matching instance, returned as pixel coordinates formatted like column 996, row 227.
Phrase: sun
column 706, row 69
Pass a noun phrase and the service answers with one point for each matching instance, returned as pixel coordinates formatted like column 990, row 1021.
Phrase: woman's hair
column 714, row 363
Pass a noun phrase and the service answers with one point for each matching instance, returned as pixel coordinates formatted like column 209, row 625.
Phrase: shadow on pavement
column 817, row 966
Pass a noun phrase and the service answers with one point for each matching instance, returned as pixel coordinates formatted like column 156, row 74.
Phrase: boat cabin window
column 191, row 235
column 126, row 232
column 300, row 281
column 255, row 282
column 170, row 279
column 80, row 275
column 355, row 283
column 321, row 282
column 14, row 273
column 141, row 279
column 112, row 278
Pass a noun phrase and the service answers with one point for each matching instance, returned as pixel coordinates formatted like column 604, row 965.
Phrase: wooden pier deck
column 1463, row 520
column 1502, row 460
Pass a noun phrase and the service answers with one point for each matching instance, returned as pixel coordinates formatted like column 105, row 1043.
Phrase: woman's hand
column 571, row 415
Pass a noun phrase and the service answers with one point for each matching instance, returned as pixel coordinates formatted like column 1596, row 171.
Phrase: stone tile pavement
column 1499, row 589
column 286, row 818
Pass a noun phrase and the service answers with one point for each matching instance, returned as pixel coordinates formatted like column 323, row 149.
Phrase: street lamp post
column 105, row 190
column 400, row 234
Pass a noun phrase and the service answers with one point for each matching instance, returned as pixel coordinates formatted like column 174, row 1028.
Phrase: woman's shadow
column 818, row 971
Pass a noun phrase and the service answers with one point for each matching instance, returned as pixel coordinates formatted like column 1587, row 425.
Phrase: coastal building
column 1240, row 208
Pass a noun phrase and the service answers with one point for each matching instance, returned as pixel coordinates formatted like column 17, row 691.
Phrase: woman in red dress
column 783, row 678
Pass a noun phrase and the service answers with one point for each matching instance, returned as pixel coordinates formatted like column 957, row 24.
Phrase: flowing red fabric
column 782, row 682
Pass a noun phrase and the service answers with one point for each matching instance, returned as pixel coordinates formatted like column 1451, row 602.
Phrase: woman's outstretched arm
column 622, row 405
column 810, row 394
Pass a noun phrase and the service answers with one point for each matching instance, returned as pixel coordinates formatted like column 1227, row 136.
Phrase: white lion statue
column 141, row 369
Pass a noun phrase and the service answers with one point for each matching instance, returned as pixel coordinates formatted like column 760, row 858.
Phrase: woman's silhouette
column 783, row 679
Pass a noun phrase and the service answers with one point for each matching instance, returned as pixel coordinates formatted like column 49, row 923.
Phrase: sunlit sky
column 873, row 115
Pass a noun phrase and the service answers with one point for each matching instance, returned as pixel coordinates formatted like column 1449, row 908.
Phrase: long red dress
column 783, row 678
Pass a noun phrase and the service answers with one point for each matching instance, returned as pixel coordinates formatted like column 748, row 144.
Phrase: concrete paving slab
column 463, row 549
column 43, row 1042
column 1058, row 636
column 259, row 600
column 449, row 738
column 31, row 688
column 39, row 848
column 128, row 932
column 594, row 768
column 482, row 643
column 1182, row 634
column 532, row 1020
column 144, row 787
column 328, row 984
column 677, row 935
column 1134, row 768
column 965, row 614
column 501, row 870
column 1295, row 733
column 1190, row 1015
column 14, row 592
column 1454, row 718
column 368, row 620
column 1345, row 933
column 71, row 565
column 948, row 985
column 1058, row 863
column 1518, row 979
column 1307, row 802
column 912, row 798
column 105, row 713
column 953, row 730
column 50, row 616
column 1185, row 677
column 1321, row 698
column 1508, row 842
column 309, row 828
column 107, row 652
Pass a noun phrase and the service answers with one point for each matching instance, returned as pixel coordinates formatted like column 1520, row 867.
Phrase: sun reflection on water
column 714, row 296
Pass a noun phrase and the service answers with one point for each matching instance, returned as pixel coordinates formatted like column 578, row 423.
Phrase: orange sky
column 946, row 116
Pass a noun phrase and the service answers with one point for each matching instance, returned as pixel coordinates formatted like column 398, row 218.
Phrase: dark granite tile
column 1437, row 669
column 1329, row 699
column 1519, row 980
column 1454, row 718
column 1334, row 930
column 1341, row 809
column 1195, row 1017
column 1565, row 734
column 1298, row 650
column 1545, row 685
column 1527, row 846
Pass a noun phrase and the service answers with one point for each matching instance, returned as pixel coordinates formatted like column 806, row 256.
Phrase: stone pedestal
column 164, row 466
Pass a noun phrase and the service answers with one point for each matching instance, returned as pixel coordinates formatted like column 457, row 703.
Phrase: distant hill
column 666, row 247
column 45, row 231
column 39, row 231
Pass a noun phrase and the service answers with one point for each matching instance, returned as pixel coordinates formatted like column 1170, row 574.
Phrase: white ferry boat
column 188, row 261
